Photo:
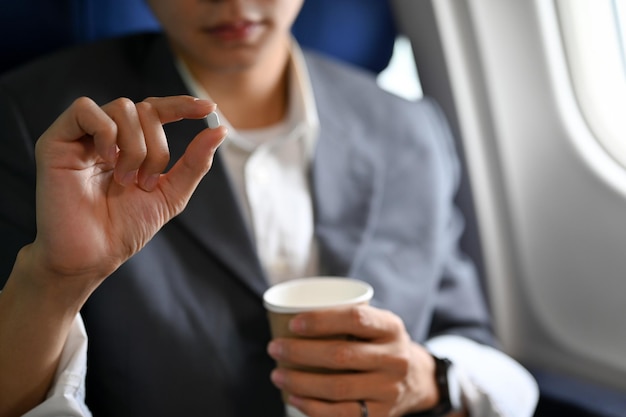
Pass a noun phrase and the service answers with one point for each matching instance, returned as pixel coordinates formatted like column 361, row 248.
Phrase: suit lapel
column 213, row 216
column 346, row 176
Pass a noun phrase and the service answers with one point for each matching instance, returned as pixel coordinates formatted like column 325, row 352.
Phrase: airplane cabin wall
column 550, row 202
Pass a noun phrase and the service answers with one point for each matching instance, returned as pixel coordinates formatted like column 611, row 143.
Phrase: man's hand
column 101, row 196
column 100, row 192
column 378, row 363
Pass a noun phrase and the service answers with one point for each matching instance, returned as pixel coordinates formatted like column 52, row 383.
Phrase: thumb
column 182, row 179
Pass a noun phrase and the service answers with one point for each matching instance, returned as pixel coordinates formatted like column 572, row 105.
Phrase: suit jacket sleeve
column 17, row 193
column 460, row 306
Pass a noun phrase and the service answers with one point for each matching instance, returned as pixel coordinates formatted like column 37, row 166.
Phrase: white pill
column 213, row 120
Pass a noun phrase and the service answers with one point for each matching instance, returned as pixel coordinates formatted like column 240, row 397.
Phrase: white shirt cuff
column 66, row 398
column 492, row 384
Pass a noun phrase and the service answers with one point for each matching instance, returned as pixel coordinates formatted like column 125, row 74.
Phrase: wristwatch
column 448, row 387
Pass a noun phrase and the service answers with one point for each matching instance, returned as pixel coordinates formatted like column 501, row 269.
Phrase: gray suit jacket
column 180, row 330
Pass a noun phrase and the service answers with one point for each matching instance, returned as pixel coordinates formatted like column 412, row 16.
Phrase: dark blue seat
column 30, row 28
column 358, row 31
column 361, row 32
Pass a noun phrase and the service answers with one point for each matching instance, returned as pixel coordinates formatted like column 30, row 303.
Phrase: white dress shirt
column 269, row 169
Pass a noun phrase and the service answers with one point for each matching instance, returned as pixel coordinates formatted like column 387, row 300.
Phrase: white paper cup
column 285, row 300
column 315, row 293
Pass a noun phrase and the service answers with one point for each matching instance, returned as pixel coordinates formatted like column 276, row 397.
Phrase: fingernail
column 275, row 349
column 111, row 153
column 295, row 401
column 278, row 378
column 297, row 325
column 129, row 178
column 151, row 182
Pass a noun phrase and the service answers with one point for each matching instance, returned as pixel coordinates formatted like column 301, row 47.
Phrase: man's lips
column 235, row 31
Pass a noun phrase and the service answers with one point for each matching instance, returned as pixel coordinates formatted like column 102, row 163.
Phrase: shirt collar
column 302, row 112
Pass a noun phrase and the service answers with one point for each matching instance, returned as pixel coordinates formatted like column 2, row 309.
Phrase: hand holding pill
column 101, row 192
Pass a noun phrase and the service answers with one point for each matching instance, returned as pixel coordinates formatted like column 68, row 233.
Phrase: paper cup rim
column 368, row 292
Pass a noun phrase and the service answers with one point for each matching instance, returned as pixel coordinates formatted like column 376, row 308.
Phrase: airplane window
column 620, row 13
column 594, row 36
column 400, row 77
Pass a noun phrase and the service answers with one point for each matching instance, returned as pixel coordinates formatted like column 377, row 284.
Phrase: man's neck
column 252, row 98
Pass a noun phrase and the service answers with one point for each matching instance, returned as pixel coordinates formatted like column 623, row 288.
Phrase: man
column 321, row 173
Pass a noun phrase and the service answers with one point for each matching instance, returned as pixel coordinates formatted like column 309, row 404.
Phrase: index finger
column 174, row 108
column 360, row 321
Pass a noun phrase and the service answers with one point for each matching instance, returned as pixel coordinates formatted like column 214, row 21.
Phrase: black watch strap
column 444, row 406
